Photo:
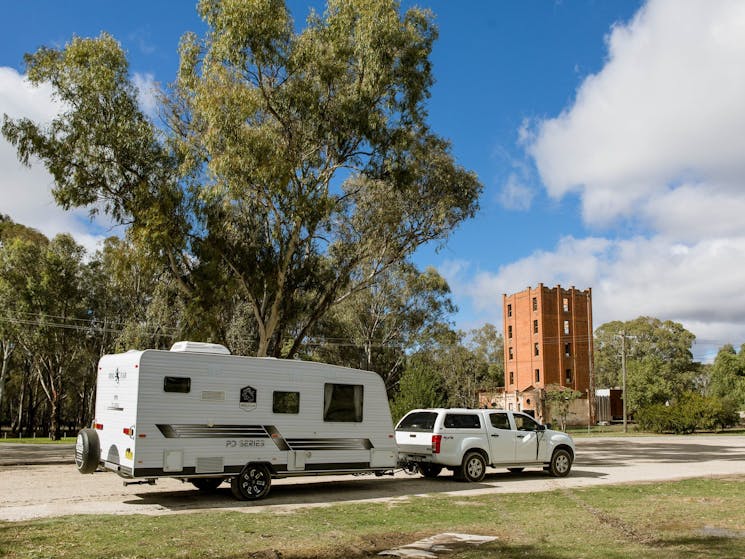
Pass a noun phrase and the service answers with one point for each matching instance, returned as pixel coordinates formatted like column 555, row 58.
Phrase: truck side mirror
column 544, row 427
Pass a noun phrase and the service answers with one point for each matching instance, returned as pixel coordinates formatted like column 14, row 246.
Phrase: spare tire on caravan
column 199, row 414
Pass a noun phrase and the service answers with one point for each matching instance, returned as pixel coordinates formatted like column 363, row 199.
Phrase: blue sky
column 609, row 136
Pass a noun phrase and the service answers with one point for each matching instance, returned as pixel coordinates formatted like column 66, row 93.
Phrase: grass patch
column 616, row 430
column 38, row 440
column 690, row 519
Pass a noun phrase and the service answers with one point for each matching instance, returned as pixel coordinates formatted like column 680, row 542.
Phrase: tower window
column 535, row 303
column 568, row 379
column 509, row 331
column 512, row 377
column 568, row 350
column 566, row 326
column 511, row 354
column 535, row 327
column 535, row 349
column 509, row 310
column 566, row 304
column 538, row 375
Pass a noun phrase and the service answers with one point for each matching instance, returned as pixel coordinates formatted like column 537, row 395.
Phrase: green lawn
column 37, row 440
column 616, row 430
column 688, row 519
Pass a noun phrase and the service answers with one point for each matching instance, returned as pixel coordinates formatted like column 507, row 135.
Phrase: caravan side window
column 181, row 385
column 286, row 402
column 342, row 402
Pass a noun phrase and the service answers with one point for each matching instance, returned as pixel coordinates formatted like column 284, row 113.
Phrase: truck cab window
column 525, row 423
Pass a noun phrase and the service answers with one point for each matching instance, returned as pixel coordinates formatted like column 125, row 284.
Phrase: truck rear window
column 418, row 421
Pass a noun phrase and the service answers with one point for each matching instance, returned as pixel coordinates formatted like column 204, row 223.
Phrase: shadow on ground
column 320, row 492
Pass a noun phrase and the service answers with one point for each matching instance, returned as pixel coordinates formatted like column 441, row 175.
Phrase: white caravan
column 199, row 414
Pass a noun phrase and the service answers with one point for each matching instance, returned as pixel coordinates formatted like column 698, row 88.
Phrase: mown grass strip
column 689, row 519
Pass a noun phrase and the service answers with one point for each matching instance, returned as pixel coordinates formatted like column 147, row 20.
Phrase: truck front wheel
column 473, row 468
column 561, row 463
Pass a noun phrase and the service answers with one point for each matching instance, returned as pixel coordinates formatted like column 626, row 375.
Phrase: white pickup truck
column 466, row 441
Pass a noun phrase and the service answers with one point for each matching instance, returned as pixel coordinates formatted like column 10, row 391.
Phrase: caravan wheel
column 87, row 451
column 206, row 484
column 252, row 483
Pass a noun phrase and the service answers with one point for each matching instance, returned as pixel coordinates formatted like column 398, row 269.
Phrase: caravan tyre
column 252, row 483
column 87, row 451
column 206, row 484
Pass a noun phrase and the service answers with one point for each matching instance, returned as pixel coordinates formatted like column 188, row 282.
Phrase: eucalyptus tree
column 296, row 165
column 12, row 364
column 376, row 328
column 659, row 360
column 41, row 286
column 727, row 375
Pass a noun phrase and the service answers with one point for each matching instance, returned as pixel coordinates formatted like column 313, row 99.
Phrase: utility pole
column 623, row 379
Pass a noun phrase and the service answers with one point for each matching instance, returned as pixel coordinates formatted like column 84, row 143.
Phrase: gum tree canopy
column 295, row 167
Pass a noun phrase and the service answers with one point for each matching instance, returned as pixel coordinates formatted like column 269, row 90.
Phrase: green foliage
column 659, row 361
column 297, row 166
column 727, row 375
column 43, row 299
column 374, row 329
column 461, row 362
column 421, row 386
column 687, row 414
column 559, row 399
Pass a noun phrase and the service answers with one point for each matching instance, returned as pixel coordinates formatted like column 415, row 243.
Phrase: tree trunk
column 7, row 351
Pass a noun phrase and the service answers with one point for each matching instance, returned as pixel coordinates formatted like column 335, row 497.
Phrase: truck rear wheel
column 87, row 451
column 474, row 467
column 252, row 483
column 430, row 470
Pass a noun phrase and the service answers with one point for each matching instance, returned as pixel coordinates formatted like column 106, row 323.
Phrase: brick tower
column 548, row 339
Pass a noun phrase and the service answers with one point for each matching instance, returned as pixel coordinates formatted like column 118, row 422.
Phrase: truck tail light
column 436, row 440
column 98, row 426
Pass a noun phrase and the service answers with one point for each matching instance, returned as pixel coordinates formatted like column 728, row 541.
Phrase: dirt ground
column 49, row 490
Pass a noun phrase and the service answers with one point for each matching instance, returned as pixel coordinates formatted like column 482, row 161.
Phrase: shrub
column 689, row 413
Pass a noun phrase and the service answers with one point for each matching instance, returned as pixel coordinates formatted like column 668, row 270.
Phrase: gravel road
column 49, row 490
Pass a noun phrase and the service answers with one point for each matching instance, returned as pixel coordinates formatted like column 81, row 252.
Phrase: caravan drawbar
column 200, row 414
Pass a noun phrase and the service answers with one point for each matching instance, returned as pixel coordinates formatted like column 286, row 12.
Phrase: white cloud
column 26, row 194
column 666, row 108
column 653, row 142
column 699, row 285
column 147, row 93
column 515, row 195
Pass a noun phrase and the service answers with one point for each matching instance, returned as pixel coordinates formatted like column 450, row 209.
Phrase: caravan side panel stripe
column 198, row 431
column 194, row 431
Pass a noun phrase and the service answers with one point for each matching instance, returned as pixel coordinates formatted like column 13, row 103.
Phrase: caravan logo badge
column 118, row 375
column 248, row 398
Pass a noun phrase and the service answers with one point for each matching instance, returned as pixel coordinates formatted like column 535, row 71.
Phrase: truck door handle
column 495, row 434
column 521, row 436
